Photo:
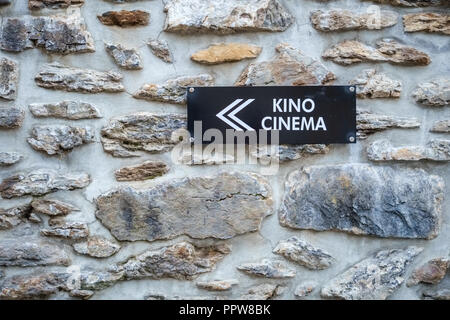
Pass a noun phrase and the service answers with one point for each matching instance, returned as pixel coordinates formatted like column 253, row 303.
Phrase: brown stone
column 432, row 22
column 431, row 272
column 226, row 52
column 53, row 4
column 143, row 171
column 125, row 18
column 52, row 207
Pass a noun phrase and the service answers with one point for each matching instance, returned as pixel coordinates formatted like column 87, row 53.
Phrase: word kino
column 300, row 123
column 300, row 115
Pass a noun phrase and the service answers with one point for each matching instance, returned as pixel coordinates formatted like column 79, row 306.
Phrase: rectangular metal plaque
column 301, row 114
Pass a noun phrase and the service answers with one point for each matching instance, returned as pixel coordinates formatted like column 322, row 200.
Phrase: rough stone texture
column 431, row 272
column 413, row 3
column 52, row 207
column 435, row 93
column 289, row 67
column 217, row 285
column 9, row 158
column 123, row 136
column 344, row 20
column 266, row 291
column 59, row 77
column 126, row 58
column 428, row 22
column 304, row 254
column 366, row 200
column 160, row 49
column 67, row 230
column 11, row 117
column 173, row 90
column 125, row 18
column 11, row 217
column 226, row 52
column 71, row 110
column 435, row 150
column 305, row 289
column 53, row 4
column 182, row 261
column 9, row 79
column 387, row 50
column 97, row 247
column 371, row 85
column 40, row 182
column 215, row 16
column 368, row 123
column 441, row 126
column 58, row 139
column 437, row 294
column 220, row 206
column 288, row 152
column 82, row 294
column 144, row 171
column 62, row 34
column 267, row 269
column 374, row 278
column 25, row 252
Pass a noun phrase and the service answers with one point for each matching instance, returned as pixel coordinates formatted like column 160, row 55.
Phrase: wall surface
column 347, row 249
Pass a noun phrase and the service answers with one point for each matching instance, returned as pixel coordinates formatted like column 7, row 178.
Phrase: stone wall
column 94, row 207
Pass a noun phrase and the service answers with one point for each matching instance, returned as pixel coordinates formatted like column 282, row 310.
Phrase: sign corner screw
column 352, row 89
column 351, row 139
column 191, row 90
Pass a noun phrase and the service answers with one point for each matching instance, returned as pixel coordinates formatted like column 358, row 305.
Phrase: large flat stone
column 432, row 22
column 59, row 77
column 374, row 278
column 125, row 135
column 226, row 52
column 9, row 79
column 71, row 110
column 225, row 17
column 62, row 34
column 289, row 67
column 364, row 200
column 387, row 50
column 220, row 206
column 268, row 269
column 435, row 150
column 40, row 182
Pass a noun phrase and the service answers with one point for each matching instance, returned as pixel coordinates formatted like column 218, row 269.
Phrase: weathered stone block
column 226, row 52
column 9, row 79
column 428, row 22
column 71, row 110
column 372, row 85
column 143, row 171
column 125, row 18
column 125, row 58
column 435, row 93
column 11, row 117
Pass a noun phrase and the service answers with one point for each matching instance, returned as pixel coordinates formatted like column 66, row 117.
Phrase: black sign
column 301, row 114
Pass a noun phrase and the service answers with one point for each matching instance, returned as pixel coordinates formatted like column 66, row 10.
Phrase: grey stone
column 413, row 3
column 61, row 34
column 289, row 67
column 432, row 22
column 441, row 126
column 40, row 182
column 182, row 261
column 371, row 85
column 53, row 4
column 97, row 247
column 435, row 150
column 66, row 230
column 125, row 58
column 267, row 269
column 9, row 79
column 435, row 93
column 217, row 285
column 387, row 50
column 123, row 136
column 437, row 294
column 9, row 158
column 431, row 272
column 82, row 294
column 305, row 289
column 301, row 252
column 286, row 153
column 368, row 123
column 220, row 206
column 71, row 110
column 160, row 49
column 173, row 90
column 59, row 139
column 215, row 16
column 365, row 200
column 25, row 252
column 94, row 280
column 11, row 217
column 374, row 278
column 59, row 77
column 191, row 157
column 52, row 207
column 144, row 171
column 265, row 291
column 154, row 296
column 344, row 20
column 11, row 117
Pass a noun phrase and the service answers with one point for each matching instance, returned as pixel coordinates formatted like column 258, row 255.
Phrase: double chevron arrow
column 232, row 115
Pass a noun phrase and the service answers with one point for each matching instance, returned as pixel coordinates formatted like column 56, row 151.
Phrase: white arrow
column 232, row 115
